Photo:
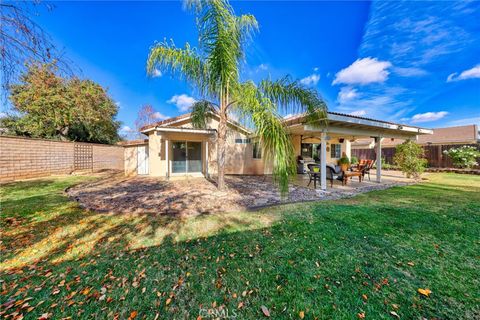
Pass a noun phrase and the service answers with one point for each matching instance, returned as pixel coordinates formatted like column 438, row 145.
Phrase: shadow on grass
column 320, row 259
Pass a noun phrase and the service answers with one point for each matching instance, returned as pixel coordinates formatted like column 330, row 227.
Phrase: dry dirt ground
column 193, row 196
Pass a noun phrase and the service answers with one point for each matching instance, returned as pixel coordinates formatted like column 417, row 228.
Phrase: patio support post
column 379, row 158
column 323, row 161
column 166, row 159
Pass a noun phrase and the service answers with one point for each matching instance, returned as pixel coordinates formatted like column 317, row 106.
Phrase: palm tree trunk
column 221, row 145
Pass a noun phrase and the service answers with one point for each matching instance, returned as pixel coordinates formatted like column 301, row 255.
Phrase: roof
column 186, row 116
column 330, row 113
column 133, row 142
column 460, row 134
column 448, row 135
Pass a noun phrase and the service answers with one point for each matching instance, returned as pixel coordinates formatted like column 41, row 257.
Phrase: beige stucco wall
column 130, row 160
column 238, row 158
column 345, row 146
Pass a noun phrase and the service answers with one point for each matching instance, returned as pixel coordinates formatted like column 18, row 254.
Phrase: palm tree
column 214, row 71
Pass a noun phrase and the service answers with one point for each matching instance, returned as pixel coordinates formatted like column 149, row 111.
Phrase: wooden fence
column 433, row 154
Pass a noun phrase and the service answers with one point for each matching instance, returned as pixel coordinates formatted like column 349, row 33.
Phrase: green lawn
column 365, row 256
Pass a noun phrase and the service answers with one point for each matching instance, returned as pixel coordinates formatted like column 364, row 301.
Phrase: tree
column 23, row 41
column 49, row 106
column 214, row 71
column 409, row 156
column 146, row 116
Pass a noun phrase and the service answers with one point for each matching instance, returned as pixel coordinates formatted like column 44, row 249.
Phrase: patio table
column 349, row 174
column 316, row 175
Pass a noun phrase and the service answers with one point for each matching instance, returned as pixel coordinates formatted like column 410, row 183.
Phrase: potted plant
column 344, row 163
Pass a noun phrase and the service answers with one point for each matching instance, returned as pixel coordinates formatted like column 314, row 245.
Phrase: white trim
column 362, row 132
column 187, row 130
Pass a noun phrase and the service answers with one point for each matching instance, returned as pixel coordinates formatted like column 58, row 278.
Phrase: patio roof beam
column 359, row 132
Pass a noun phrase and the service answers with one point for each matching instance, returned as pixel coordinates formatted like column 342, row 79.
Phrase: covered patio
column 338, row 133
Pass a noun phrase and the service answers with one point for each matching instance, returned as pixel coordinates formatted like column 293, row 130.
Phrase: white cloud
column 467, row 74
column 358, row 113
column 126, row 129
column 182, row 101
column 409, row 72
column 310, row 80
column 347, row 94
column 288, row 116
column 156, row 73
column 118, row 104
column 364, row 71
column 465, row 121
column 160, row 116
column 3, row 115
column 428, row 116
column 262, row 67
column 315, row 69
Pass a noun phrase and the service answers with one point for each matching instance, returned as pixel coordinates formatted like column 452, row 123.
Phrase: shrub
column 463, row 157
column 409, row 158
column 343, row 160
column 354, row 160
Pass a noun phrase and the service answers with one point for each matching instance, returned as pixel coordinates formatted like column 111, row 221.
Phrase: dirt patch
column 183, row 197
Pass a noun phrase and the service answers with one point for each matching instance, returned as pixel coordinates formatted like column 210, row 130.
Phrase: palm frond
column 270, row 131
column 293, row 97
column 201, row 111
column 185, row 62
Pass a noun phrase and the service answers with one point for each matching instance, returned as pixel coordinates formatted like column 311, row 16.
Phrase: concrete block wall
column 23, row 158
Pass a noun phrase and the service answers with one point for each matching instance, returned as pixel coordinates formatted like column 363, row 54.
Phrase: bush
column 463, row 157
column 409, row 158
column 354, row 160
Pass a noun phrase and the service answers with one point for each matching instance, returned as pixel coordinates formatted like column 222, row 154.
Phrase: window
column 336, row 151
column 257, row 151
column 307, row 150
column 239, row 140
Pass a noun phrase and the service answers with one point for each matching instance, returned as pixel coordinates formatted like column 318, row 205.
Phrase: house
column 175, row 148
column 468, row 134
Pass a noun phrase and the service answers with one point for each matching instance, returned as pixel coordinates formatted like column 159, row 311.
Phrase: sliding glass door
column 187, row 157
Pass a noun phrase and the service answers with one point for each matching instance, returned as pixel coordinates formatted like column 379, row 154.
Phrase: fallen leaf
column 265, row 311
column 410, row 263
column 365, row 297
column 394, row 314
column 424, row 292
column 361, row 315
column 301, row 314
column 133, row 314
column 395, row 306
column 168, row 301
column 44, row 316
column 240, row 305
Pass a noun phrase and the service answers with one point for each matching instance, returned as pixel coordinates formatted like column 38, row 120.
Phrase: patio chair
column 335, row 173
column 366, row 169
column 314, row 176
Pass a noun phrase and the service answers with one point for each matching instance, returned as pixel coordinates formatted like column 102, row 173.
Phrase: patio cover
column 352, row 127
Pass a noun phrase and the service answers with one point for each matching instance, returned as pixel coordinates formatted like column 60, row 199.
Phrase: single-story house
column 468, row 134
column 175, row 148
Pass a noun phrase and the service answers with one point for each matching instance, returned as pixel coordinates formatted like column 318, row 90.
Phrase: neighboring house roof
column 460, row 134
column 133, row 142
column 449, row 135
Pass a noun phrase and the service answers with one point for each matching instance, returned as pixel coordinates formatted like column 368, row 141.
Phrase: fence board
column 433, row 154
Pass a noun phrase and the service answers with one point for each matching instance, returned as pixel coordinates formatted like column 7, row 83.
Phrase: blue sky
column 409, row 62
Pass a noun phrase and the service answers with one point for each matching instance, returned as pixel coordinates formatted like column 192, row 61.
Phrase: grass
column 364, row 256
